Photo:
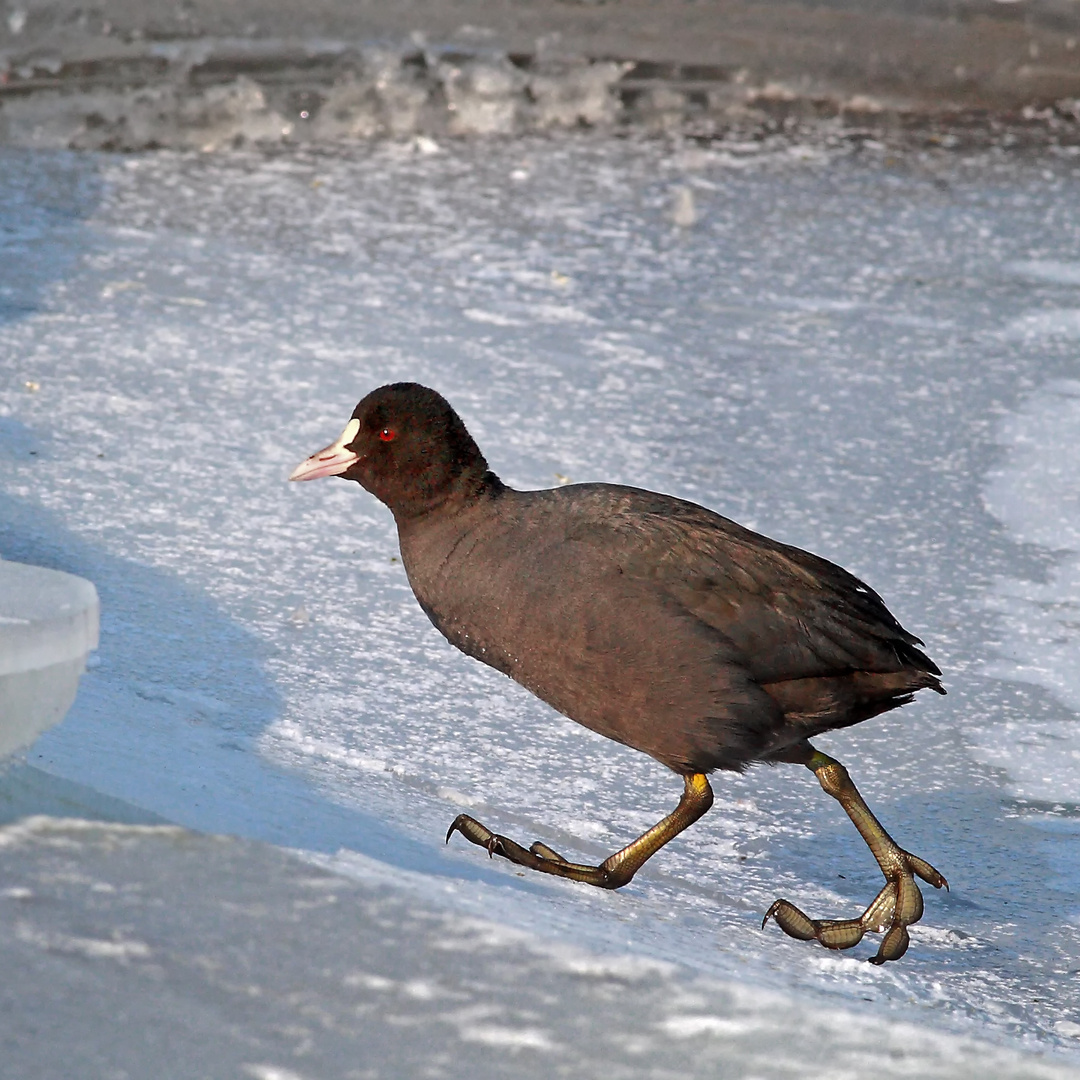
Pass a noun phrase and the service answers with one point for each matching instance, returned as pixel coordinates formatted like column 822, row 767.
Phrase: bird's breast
column 469, row 583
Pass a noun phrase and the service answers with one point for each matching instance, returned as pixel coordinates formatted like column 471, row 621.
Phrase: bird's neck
column 467, row 490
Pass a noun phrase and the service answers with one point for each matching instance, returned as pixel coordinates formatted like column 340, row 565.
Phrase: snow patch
column 687, row 1027
column 508, row 1038
column 1059, row 323
column 1051, row 271
column 271, row 1072
column 1035, row 494
column 120, row 950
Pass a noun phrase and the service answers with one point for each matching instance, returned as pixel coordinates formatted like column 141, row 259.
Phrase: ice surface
column 828, row 352
column 279, row 970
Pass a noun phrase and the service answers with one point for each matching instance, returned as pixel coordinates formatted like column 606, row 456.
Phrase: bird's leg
column 617, row 869
column 894, row 909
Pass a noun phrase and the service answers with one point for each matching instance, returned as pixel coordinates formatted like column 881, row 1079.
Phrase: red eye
column 387, row 434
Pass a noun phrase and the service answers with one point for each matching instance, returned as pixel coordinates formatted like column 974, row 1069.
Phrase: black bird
column 650, row 620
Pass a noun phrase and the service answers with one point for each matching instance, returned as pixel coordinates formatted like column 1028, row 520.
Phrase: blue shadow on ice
column 166, row 721
column 18, row 442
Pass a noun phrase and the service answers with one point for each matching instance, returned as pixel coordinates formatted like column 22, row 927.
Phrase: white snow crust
column 843, row 351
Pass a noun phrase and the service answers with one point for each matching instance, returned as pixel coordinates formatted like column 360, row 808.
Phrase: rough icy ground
column 829, row 349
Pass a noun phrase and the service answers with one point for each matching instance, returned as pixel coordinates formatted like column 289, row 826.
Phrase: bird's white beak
column 331, row 461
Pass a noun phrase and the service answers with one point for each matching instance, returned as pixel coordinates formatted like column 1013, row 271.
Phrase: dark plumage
column 649, row 619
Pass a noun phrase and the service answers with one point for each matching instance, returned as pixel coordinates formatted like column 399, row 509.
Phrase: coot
column 649, row 619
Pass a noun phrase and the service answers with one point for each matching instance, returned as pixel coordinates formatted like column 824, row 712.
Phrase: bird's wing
column 790, row 614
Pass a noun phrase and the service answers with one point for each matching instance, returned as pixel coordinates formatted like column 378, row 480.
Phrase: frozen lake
column 873, row 356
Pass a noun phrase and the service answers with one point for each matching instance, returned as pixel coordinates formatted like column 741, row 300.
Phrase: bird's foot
column 537, row 857
column 892, row 911
column 616, row 870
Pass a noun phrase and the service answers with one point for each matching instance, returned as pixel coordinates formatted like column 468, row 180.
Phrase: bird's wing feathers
column 790, row 614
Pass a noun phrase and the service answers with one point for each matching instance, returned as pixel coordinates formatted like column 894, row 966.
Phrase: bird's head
column 408, row 447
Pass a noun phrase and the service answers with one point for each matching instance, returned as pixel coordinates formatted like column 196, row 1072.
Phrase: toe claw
column 922, row 869
column 474, row 832
column 455, row 826
column 832, row 933
column 771, row 912
column 538, row 847
column 791, row 920
column 893, row 945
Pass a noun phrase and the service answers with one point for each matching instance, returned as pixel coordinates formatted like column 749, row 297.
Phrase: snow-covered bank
column 143, row 73
column 824, row 349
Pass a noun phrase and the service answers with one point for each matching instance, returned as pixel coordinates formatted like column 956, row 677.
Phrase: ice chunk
column 482, row 96
column 48, row 623
column 575, row 92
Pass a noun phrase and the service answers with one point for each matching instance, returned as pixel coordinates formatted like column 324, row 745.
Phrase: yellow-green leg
column 616, row 870
column 894, row 909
